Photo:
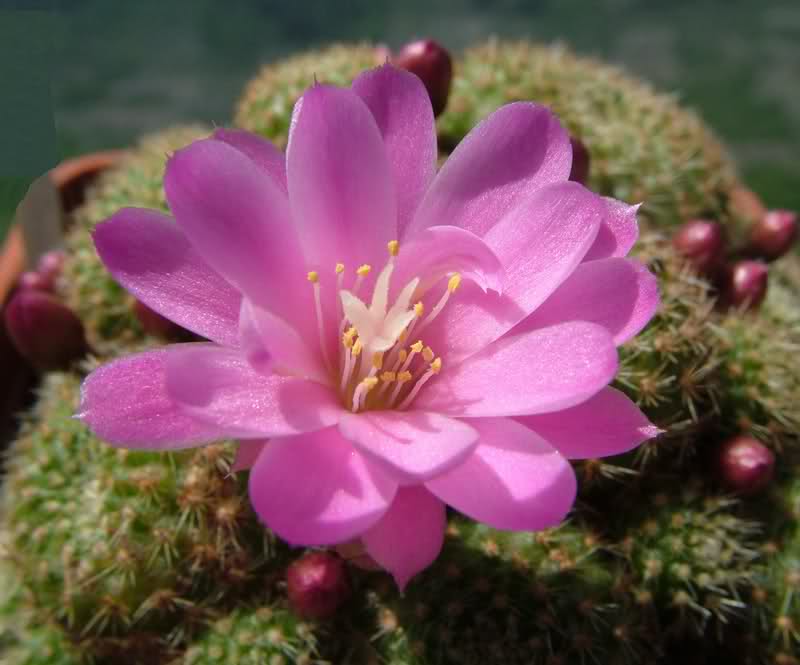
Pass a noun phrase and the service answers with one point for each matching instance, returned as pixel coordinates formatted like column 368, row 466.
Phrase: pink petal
column 340, row 181
column 512, row 153
column 619, row 294
column 402, row 110
column 246, row 454
column 618, row 231
column 438, row 250
column 410, row 446
column 257, row 148
column 314, row 489
column 125, row 402
column 539, row 244
column 409, row 536
column 270, row 343
column 536, row 372
column 514, row 480
column 239, row 221
column 149, row 256
column 606, row 424
column 218, row 386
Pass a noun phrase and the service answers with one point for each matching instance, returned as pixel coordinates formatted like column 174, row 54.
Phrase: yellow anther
column 402, row 355
column 363, row 271
column 394, row 247
column 377, row 360
column 453, row 283
column 369, row 383
column 416, row 347
column 403, row 336
column 402, row 377
column 357, row 347
column 436, row 366
column 419, row 310
column 388, row 377
column 339, row 268
column 427, row 353
column 313, row 277
column 348, row 337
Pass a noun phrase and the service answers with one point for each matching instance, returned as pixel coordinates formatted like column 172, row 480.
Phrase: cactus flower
column 384, row 340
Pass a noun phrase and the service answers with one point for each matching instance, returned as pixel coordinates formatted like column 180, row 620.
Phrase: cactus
column 126, row 557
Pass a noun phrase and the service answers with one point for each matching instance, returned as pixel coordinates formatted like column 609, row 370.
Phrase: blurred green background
column 123, row 68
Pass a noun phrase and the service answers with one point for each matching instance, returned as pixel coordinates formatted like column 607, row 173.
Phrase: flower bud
column 32, row 279
column 154, row 324
column 702, row 242
column 772, row 236
column 745, row 465
column 580, row 161
column 433, row 65
column 50, row 264
column 317, row 585
column 745, row 283
column 43, row 330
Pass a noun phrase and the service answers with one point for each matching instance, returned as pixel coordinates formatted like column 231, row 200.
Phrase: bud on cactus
column 702, row 242
column 433, row 65
column 772, row 236
column 745, row 283
column 34, row 280
column 43, row 330
column 317, row 585
column 580, row 161
column 745, row 465
column 50, row 264
column 154, row 324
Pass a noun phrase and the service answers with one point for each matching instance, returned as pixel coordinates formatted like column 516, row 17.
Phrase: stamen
column 377, row 360
column 313, row 277
column 393, row 247
column 339, row 284
column 361, row 273
column 361, row 391
column 427, row 354
column 388, row 377
column 435, row 368
column 452, row 284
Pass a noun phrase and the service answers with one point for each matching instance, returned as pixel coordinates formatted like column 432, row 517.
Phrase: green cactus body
column 118, row 557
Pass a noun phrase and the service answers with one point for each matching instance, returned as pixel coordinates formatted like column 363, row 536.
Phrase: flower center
column 375, row 367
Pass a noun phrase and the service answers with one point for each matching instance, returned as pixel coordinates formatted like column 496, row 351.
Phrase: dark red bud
column 154, row 324
column 317, row 585
column 43, row 330
column 772, row 236
column 35, row 280
column 702, row 242
column 51, row 263
column 745, row 465
column 580, row 161
column 433, row 65
column 745, row 284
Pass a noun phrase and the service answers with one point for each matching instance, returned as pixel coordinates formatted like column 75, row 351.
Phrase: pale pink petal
column 536, row 372
column 219, row 386
column 410, row 446
column 149, row 256
column 606, row 424
column 125, row 402
column 257, row 148
column 238, row 219
column 402, row 110
column 539, row 244
column 619, row 294
column 314, row 489
column 618, row 232
column 409, row 536
column 246, row 454
column 439, row 250
column 514, row 480
column 270, row 343
column 512, row 153
column 340, row 181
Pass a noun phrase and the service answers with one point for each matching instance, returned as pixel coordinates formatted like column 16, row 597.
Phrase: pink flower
column 315, row 275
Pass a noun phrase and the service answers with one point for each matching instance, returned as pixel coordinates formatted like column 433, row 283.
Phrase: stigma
column 375, row 368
